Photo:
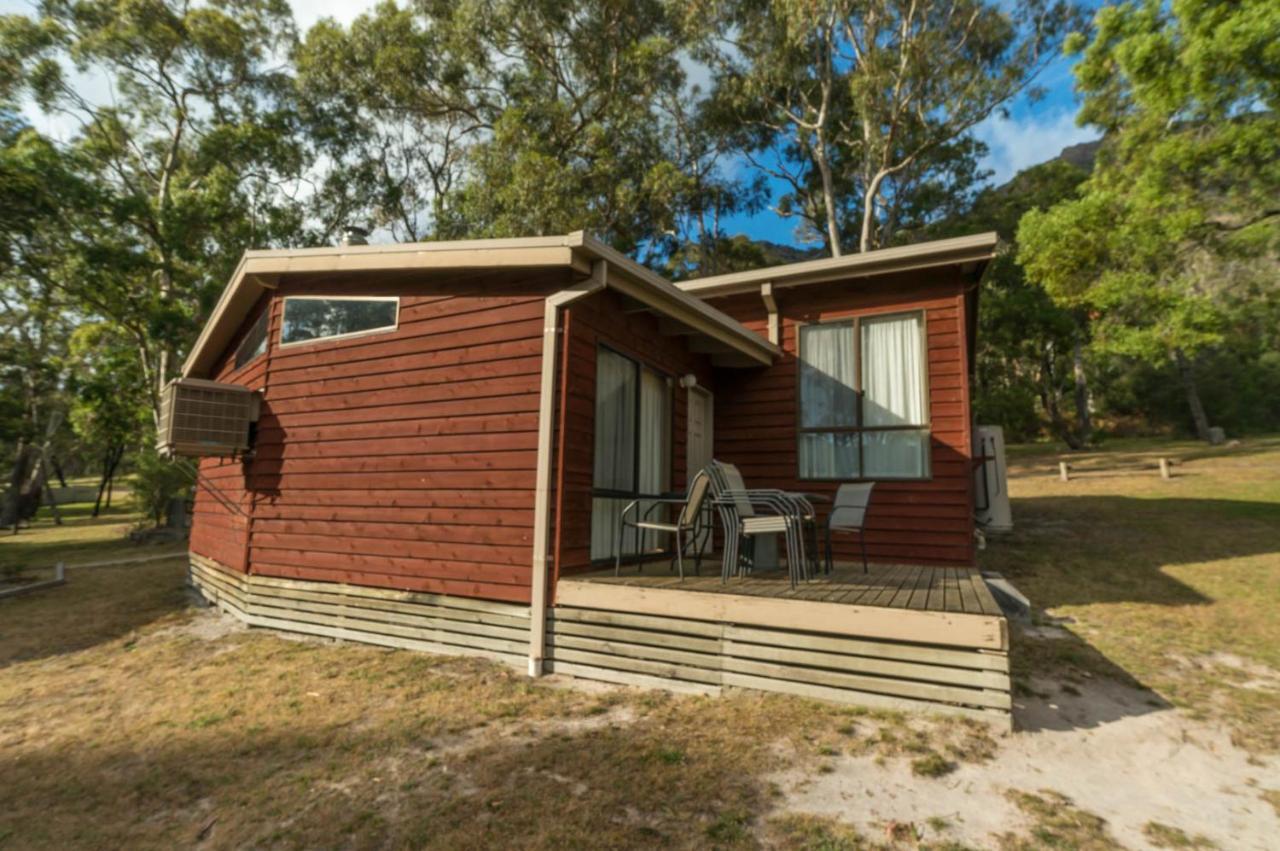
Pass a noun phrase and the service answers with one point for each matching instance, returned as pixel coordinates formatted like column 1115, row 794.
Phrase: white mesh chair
column 849, row 514
column 748, row 512
column 685, row 527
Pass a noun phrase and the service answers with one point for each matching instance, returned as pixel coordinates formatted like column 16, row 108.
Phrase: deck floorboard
column 894, row 586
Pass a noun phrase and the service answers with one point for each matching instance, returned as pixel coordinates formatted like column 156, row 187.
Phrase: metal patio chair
column 685, row 528
column 849, row 514
column 748, row 512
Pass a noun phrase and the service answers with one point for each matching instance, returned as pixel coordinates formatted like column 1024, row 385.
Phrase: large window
column 254, row 342
column 316, row 317
column 632, row 449
column 863, row 406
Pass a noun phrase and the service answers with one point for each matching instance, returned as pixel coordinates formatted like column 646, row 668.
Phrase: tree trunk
column 12, row 506
column 829, row 198
column 1083, row 419
column 109, row 464
column 1186, row 373
column 1049, row 399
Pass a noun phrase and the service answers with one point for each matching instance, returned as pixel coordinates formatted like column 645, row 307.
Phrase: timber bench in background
column 900, row 637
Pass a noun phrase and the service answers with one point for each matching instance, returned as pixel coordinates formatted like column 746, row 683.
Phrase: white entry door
column 700, row 446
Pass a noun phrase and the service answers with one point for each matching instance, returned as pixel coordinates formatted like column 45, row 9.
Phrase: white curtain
column 826, row 376
column 615, row 446
column 893, row 378
column 828, row 455
column 617, row 443
column 655, row 446
column 615, row 427
column 827, row 398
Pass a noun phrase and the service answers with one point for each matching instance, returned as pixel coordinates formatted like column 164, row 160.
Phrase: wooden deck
column 898, row 586
column 897, row 636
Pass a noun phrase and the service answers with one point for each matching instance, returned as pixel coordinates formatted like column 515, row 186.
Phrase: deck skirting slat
column 434, row 623
column 645, row 648
column 674, row 652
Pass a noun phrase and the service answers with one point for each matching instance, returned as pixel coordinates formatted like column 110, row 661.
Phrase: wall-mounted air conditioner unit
column 991, row 480
column 201, row 418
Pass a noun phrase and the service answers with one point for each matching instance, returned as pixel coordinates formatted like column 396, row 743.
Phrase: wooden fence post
column 1165, row 472
column 1062, row 471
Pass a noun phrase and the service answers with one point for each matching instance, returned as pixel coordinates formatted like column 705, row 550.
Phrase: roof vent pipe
column 355, row 235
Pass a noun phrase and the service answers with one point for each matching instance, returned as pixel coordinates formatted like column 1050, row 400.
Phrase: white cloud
column 1019, row 143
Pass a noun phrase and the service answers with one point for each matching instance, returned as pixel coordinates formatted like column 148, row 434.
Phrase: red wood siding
column 405, row 459
column 601, row 319
column 756, row 414
column 218, row 532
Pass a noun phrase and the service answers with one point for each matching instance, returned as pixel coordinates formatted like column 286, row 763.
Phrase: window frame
column 613, row 493
column 381, row 329
column 926, row 427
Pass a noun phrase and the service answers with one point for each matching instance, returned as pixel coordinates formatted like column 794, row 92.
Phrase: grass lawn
column 1173, row 583
column 130, row 719
column 82, row 538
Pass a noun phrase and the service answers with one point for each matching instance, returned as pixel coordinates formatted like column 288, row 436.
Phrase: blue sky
column 1032, row 133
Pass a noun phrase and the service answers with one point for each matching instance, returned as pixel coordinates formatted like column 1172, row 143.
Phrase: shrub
column 157, row 481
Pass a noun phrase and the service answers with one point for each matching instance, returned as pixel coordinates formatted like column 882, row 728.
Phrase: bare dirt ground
column 1106, row 748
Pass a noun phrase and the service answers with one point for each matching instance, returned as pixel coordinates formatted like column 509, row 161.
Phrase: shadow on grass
column 1061, row 682
column 96, row 605
column 1078, row 550
column 310, row 787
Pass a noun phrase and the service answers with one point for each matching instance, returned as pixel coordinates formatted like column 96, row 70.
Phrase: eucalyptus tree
column 186, row 157
column 856, row 104
column 576, row 137
column 1179, row 224
column 391, row 108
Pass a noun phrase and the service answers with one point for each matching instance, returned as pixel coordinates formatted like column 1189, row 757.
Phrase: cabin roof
column 684, row 302
column 263, row 269
column 961, row 251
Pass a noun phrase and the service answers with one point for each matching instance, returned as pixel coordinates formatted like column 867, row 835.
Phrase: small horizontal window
column 312, row 318
column 254, row 343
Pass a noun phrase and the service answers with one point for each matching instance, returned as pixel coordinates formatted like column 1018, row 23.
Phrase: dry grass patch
column 1167, row 836
column 1057, row 823
column 129, row 720
column 805, row 832
column 1171, row 584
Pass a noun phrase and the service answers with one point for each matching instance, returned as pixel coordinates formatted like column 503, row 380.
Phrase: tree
column 1164, row 238
column 575, row 138
column 858, row 104
column 185, row 165
column 107, row 385
column 1032, row 352
column 394, row 111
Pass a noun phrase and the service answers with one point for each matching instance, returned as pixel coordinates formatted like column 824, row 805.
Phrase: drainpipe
column 771, row 305
column 542, row 488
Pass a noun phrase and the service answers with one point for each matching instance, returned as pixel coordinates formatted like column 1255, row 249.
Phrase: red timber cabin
column 446, row 432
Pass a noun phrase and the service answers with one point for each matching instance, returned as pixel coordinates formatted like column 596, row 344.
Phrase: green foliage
column 167, row 183
column 108, row 389
column 864, row 110
column 1177, row 228
column 156, row 481
column 1026, row 342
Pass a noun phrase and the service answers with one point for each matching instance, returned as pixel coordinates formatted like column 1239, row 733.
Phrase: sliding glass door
column 632, row 450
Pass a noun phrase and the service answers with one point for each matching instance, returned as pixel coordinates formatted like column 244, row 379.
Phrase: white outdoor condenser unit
column 201, row 418
column 991, row 480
